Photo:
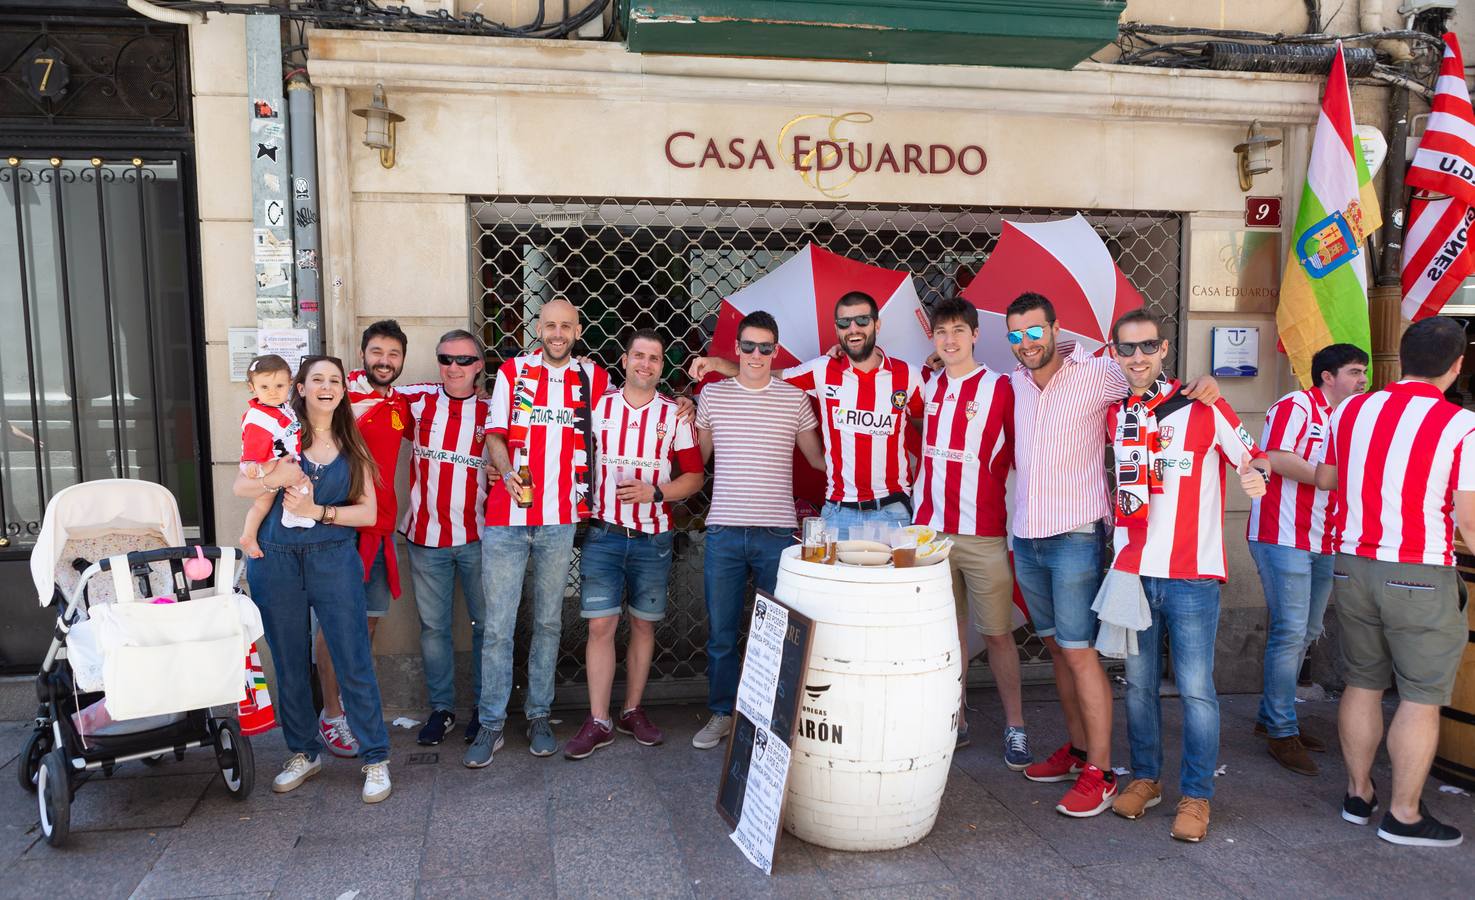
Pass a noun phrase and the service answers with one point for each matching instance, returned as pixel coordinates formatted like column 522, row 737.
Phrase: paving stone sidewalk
column 639, row 822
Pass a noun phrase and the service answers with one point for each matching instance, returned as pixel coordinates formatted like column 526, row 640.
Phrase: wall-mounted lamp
column 379, row 122
column 1253, row 156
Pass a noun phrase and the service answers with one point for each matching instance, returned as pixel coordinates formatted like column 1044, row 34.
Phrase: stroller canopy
column 97, row 508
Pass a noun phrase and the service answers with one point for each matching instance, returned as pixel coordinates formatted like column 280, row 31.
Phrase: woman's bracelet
column 330, row 515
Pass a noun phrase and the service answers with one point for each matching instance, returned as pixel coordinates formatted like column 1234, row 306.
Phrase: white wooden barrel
column 878, row 713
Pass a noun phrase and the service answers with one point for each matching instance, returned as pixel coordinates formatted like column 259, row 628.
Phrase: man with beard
column 448, row 487
column 1061, row 398
column 867, row 400
column 539, row 418
column 383, row 417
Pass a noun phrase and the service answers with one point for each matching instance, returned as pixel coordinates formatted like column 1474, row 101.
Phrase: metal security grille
column 667, row 264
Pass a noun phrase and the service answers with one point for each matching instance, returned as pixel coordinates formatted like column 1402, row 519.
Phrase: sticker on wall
column 267, row 131
column 271, row 182
column 299, row 188
column 274, row 212
column 273, row 310
column 307, row 259
column 270, row 276
column 268, row 150
column 263, row 109
column 269, row 248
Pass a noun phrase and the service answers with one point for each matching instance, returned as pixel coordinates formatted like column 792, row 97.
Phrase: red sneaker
column 1089, row 796
column 590, row 738
column 634, row 722
column 336, row 735
column 1062, row 765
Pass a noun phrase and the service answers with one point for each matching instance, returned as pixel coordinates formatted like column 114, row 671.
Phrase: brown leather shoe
column 1140, row 796
column 1291, row 753
column 1192, row 822
column 1309, row 741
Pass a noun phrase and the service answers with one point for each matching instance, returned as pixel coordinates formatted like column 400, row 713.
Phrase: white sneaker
column 297, row 770
column 376, row 782
column 713, row 732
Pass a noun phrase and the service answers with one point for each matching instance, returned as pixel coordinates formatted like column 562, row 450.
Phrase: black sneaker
column 473, row 725
column 1427, row 832
column 1359, row 811
column 435, row 730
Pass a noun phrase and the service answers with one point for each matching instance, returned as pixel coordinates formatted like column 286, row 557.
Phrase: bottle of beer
column 525, row 476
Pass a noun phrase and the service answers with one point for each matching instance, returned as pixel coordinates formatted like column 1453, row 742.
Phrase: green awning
column 1053, row 34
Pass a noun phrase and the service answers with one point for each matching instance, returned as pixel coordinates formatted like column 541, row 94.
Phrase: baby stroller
column 159, row 651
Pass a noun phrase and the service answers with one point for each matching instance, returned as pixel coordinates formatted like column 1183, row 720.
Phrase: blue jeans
column 732, row 554
column 508, row 553
column 377, row 595
column 1059, row 577
column 839, row 519
column 434, row 570
column 326, row 579
column 1187, row 609
column 615, row 567
column 1297, row 584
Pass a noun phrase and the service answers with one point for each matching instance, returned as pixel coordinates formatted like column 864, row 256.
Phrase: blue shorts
column 376, row 587
column 613, row 563
column 1059, row 577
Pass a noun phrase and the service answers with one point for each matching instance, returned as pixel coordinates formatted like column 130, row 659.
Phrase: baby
column 269, row 432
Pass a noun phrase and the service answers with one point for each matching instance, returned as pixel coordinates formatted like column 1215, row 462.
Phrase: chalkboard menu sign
column 755, row 771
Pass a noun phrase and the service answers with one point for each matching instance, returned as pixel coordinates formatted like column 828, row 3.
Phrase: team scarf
column 1138, row 442
column 519, row 428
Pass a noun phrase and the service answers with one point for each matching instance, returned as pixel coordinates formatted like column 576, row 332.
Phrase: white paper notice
column 761, row 662
column 288, row 343
column 768, row 772
column 242, row 347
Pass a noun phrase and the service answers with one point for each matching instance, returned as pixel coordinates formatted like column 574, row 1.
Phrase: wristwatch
column 659, row 496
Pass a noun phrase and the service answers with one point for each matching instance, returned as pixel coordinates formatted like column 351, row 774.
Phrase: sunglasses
column 1033, row 332
column 1130, row 348
column 447, row 359
column 764, row 347
column 843, row 322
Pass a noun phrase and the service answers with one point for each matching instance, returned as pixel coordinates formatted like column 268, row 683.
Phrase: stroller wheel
column 37, row 746
column 54, row 797
column 152, row 761
column 237, row 762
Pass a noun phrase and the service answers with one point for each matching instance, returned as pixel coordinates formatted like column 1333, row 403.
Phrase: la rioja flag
column 1436, row 249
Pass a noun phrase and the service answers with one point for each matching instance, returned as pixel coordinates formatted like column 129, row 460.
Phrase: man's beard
column 1044, row 360
column 376, row 381
column 865, row 350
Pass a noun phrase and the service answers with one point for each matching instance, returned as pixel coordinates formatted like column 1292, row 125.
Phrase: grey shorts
column 1403, row 624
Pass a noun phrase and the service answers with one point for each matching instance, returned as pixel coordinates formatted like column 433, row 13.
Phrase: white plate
column 937, row 556
column 873, row 558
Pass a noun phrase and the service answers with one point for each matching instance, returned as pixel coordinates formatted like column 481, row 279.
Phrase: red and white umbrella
column 1065, row 261
column 801, row 295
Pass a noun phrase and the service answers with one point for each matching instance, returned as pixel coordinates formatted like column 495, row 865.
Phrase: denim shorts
column 376, row 587
column 1059, row 577
column 613, row 564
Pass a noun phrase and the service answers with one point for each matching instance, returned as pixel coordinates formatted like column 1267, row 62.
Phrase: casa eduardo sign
column 828, row 152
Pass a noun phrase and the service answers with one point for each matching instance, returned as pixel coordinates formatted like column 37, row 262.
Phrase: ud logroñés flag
column 1437, row 254
column 1323, row 294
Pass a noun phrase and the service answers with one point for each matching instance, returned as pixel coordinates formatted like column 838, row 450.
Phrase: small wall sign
column 1236, row 352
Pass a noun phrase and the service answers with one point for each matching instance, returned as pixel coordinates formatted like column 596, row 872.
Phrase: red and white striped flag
column 1436, row 249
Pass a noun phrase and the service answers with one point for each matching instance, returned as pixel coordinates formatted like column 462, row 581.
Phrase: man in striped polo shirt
column 1403, row 462
column 1062, row 393
column 627, row 553
column 1170, row 455
column 752, row 422
column 1292, row 546
column 967, row 452
column 868, row 402
column 448, row 487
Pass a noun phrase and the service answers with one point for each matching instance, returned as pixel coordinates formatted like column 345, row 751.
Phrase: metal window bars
column 667, row 264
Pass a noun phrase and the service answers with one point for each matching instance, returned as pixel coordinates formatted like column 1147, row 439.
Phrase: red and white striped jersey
column 448, row 483
column 1184, row 537
column 1057, row 442
column 639, row 443
column 1400, row 454
column 547, row 436
column 269, row 432
column 1293, row 513
column 863, row 419
column 967, row 450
